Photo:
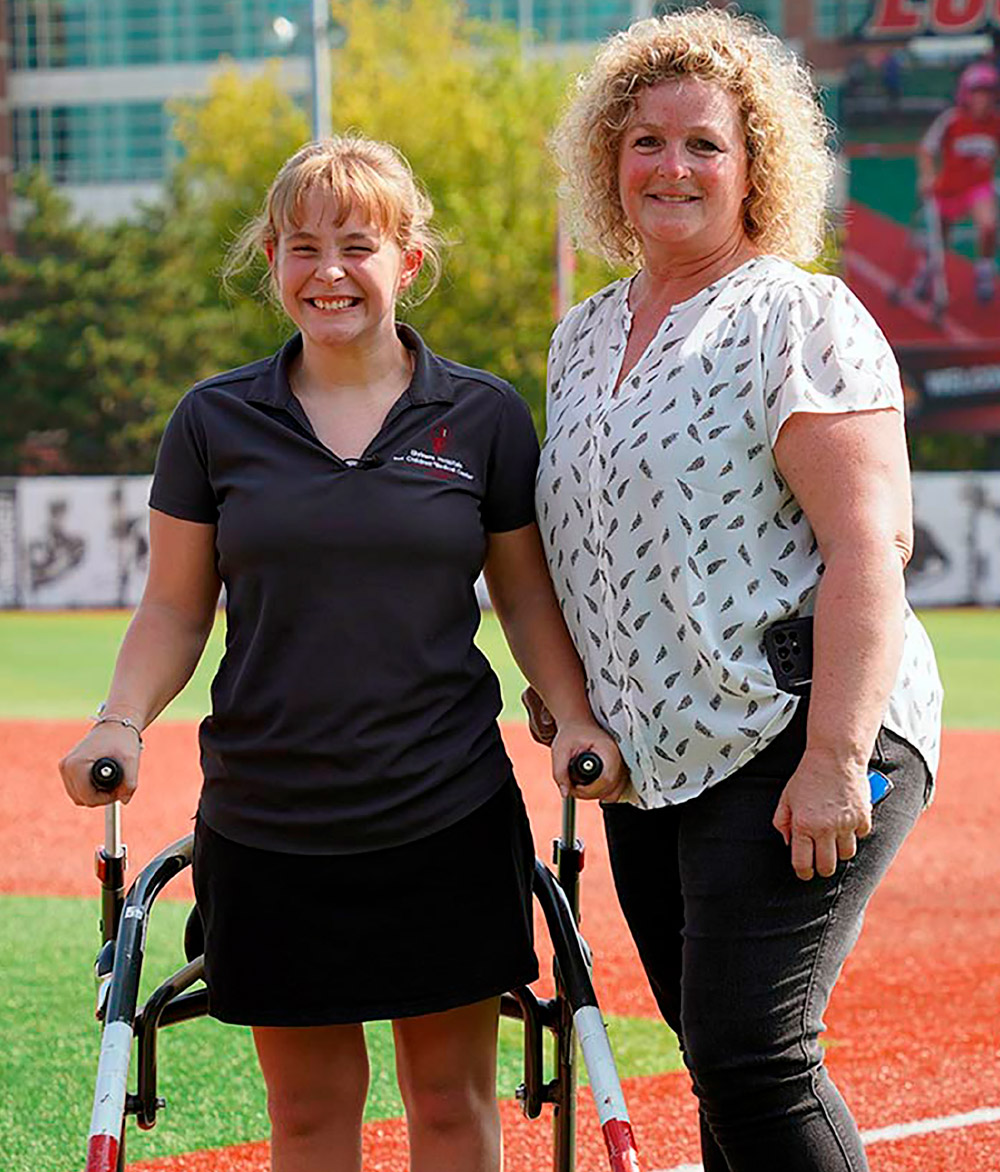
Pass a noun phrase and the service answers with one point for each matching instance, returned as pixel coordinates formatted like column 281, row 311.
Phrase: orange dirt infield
column 913, row 1021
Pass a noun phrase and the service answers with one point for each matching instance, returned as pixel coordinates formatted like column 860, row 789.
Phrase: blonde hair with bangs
column 790, row 164
column 357, row 174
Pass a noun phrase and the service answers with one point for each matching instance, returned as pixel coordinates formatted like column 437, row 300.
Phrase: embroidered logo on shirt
column 434, row 464
column 439, row 439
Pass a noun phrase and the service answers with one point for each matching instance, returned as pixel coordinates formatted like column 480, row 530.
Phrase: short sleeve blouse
column 672, row 539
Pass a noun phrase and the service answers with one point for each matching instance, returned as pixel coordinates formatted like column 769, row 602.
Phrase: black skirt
column 299, row 940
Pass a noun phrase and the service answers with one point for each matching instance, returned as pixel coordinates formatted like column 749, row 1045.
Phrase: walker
column 571, row 1015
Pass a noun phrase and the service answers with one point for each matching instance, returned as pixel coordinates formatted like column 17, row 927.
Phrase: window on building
column 101, row 143
column 59, row 34
column 558, row 20
column 592, row 20
column 770, row 12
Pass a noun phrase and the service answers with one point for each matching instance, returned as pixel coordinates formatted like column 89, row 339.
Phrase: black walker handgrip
column 585, row 768
column 106, row 774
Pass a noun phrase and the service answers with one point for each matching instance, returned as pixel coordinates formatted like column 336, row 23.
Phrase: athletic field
column 911, row 1030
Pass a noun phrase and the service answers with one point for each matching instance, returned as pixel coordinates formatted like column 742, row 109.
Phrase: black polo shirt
column 352, row 710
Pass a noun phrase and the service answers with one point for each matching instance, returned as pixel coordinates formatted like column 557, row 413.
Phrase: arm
column 526, row 606
column 161, row 648
column 850, row 475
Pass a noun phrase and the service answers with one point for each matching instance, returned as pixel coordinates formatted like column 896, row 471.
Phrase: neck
column 364, row 365
column 668, row 278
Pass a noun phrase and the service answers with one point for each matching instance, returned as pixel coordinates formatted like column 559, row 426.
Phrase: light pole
column 321, row 78
column 321, row 41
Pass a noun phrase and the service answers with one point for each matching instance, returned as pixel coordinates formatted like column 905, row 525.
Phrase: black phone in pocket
column 788, row 645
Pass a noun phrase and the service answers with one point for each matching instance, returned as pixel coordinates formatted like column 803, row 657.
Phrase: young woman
column 348, row 490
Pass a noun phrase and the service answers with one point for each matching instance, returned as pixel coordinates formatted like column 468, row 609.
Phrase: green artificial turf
column 967, row 644
column 887, row 185
column 208, row 1072
column 58, row 665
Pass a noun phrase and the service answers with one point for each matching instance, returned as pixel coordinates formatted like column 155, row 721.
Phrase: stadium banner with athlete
column 921, row 139
column 984, row 501
column 942, row 568
column 82, row 541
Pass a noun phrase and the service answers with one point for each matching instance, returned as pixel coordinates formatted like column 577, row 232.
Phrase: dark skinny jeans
column 742, row 955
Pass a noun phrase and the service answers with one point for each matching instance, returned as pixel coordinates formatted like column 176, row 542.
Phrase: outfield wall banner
column 899, row 19
column 942, row 568
column 986, row 503
column 83, row 541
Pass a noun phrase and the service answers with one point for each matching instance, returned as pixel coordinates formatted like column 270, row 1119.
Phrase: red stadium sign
column 910, row 18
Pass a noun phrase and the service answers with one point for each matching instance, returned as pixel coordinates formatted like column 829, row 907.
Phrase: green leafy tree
column 102, row 328
column 233, row 143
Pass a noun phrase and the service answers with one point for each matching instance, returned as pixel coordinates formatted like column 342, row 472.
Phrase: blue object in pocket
column 880, row 785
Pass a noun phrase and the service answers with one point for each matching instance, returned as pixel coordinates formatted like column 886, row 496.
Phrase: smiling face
column 339, row 281
column 682, row 171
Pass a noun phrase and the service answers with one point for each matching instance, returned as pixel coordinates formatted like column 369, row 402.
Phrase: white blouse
column 673, row 541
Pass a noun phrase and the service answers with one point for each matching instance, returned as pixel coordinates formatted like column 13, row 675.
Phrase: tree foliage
column 100, row 327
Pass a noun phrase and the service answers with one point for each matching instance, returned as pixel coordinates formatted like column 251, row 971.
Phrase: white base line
column 925, row 1126
column 901, row 1130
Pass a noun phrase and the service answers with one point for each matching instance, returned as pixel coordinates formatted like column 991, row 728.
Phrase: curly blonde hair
column 357, row 174
column 790, row 164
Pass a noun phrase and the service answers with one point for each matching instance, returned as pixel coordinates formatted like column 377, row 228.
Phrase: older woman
column 726, row 450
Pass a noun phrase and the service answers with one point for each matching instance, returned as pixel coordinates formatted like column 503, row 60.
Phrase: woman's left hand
column 573, row 737
column 824, row 809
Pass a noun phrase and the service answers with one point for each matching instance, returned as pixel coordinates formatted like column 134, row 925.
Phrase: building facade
column 88, row 83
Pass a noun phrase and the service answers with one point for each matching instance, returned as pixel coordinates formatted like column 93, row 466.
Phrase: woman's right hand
column 614, row 785
column 541, row 722
column 103, row 740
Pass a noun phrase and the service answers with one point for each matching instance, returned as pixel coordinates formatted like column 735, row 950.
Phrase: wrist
column 113, row 707
column 846, row 756
column 574, row 717
column 120, row 714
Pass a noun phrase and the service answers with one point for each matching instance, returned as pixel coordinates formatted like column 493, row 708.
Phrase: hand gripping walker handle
column 106, row 774
column 585, row 768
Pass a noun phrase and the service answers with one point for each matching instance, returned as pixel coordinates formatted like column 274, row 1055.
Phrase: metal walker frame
column 572, row 1015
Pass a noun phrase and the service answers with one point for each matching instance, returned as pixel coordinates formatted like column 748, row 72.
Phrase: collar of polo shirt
column 431, row 382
